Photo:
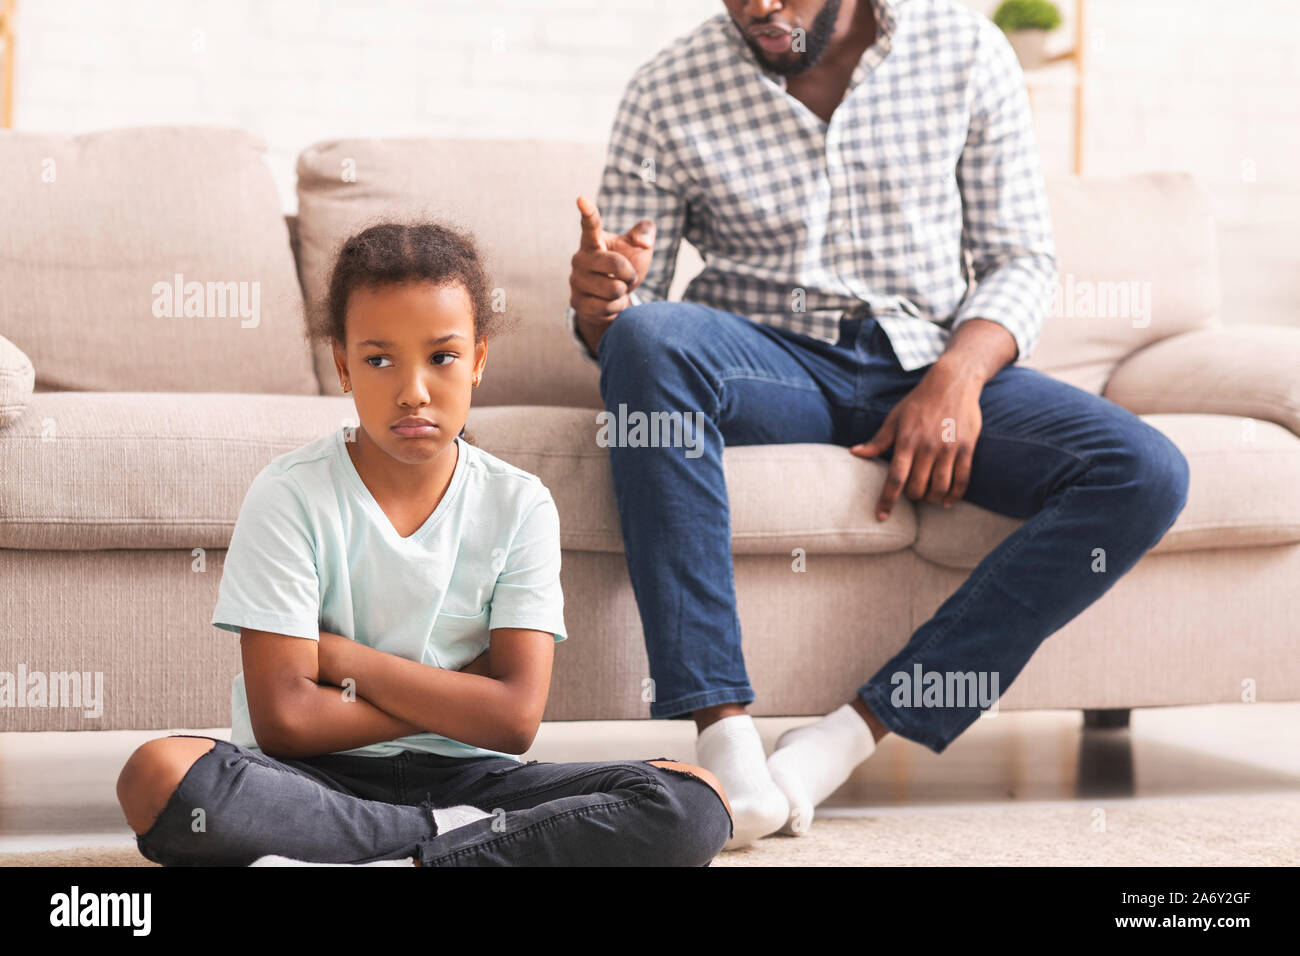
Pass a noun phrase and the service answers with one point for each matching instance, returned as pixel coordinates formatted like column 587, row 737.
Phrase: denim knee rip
column 691, row 776
column 142, row 840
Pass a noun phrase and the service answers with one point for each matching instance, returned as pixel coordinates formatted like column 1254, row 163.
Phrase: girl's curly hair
column 391, row 253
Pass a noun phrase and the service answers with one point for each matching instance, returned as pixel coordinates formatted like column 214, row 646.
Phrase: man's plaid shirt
column 922, row 199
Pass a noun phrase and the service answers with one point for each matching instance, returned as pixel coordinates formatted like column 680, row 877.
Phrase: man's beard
column 817, row 38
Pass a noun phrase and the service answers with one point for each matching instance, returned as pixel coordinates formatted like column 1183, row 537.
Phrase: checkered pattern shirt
column 921, row 203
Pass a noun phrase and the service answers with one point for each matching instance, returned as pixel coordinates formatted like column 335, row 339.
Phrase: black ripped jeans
column 235, row 805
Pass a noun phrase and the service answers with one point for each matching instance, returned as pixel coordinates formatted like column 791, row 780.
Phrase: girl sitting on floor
column 396, row 590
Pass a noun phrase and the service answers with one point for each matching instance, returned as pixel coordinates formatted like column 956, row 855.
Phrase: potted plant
column 1026, row 24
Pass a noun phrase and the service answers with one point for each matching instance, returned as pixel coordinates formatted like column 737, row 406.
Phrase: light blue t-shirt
column 312, row 550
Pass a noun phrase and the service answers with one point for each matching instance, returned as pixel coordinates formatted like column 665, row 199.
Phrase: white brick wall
column 1200, row 85
column 298, row 71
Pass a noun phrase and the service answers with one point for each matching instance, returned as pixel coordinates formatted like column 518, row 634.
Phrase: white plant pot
column 1030, row 47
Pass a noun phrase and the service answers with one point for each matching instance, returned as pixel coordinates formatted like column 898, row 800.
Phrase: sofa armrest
column 1247, row 370
column 17, row 377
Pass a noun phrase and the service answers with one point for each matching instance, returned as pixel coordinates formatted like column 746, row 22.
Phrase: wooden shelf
column 8, row 10
column 1066, row 68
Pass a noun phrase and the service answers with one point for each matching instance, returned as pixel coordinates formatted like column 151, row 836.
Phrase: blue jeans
column 235, row 805
column 1085, row 472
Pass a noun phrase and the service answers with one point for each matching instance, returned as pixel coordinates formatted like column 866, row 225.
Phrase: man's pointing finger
column 591, row 225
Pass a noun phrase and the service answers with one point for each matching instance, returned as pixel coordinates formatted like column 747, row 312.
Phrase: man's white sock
column 810, row 763
column 732, row 750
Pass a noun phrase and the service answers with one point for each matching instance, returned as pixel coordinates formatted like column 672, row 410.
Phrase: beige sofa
column 123, row 475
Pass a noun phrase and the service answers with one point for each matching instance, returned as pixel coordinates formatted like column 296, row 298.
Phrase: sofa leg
column 1112, row 719
column 1106, row 765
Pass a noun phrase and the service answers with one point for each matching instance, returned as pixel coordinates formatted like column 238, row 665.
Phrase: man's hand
column 935, row 426
column 933, row 430
column 605, row 269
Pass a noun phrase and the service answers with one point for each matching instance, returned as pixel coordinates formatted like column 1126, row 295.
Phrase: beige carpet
column 1222, row 831
column 1218, row 831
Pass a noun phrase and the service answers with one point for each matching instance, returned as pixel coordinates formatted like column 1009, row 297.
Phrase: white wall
column 1201, row 85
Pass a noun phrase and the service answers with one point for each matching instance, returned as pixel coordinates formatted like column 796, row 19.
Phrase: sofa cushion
column 1136, row 263
column 100, row 231
column 559, row 446
column 1244, row 492
column 1238, row 370
column 86, row 470
column 123, row 470
column 16, row 379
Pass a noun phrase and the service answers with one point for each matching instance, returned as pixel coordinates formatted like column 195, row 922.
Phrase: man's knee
column 630, row 330
column 1149, row 475
column 1162, row 472
column 152, row 773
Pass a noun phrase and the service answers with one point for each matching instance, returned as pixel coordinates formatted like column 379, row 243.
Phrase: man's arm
column 978, row 349
column 639, row 181
column 1006, row 219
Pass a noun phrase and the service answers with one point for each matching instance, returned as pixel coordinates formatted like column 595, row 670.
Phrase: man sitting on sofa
column 834, row 161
